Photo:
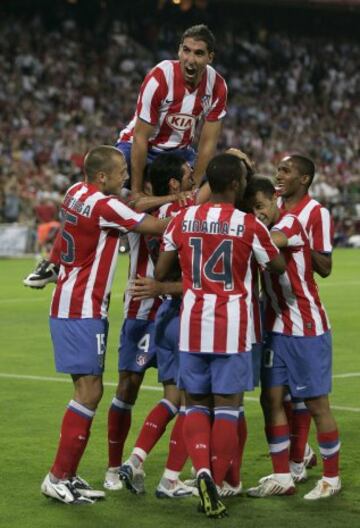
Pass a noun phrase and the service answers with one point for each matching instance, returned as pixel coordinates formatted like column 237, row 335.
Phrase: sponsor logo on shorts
column 181, row 122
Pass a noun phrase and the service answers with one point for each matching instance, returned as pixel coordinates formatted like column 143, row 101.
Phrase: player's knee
column 270, row 401
column 128, row 387
column 318, row 407
column 89, row 393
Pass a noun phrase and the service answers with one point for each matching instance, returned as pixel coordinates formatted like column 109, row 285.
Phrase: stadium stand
column 64, row 90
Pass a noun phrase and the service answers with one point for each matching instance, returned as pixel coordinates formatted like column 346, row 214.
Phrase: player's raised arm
column 142, row 133
column 152, row 226
column 207, row 145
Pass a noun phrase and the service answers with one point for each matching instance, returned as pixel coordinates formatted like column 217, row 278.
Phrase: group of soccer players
column 192, row 301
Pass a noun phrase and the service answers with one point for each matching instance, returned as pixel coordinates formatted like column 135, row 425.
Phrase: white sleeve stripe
column 124, row 211
column 325, row 224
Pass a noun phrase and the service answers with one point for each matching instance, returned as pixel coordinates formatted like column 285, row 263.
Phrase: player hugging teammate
column 206, row 336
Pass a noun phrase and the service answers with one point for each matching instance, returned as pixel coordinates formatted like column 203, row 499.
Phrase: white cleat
column 272, row 485
column 112, row 480
column 229, row 491
column 173, row 490
column 85, row 489
column 323, row 490
column 63, row 491
column 298, row 472
column 310, row 459
column 133, row 477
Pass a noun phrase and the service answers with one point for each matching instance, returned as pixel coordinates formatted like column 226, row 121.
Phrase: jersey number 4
column 220, row 258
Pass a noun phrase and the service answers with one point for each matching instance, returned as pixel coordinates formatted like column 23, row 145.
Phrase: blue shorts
column 302, row 363
column 136, row 351
column 215, row 373
column 166, row 339
column 79, row 345
column 187, row 153
column 256, row 352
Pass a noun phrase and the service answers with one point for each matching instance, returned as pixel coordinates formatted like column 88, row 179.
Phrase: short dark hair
column 258, row 184
column 304, row 165
column 162, row 169
column 222, row 170
column 100, row 159
column 200, row 32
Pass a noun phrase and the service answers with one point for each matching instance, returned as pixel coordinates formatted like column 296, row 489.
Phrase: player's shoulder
column 288, row 219
column 166, row 67
column 74, row 188
column 219, row 80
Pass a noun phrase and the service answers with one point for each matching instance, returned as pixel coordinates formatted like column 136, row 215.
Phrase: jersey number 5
column 69, row 255
column 221, row 256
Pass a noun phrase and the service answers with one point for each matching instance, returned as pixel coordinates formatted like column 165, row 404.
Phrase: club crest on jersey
column 205, row 101
column 181, row 122
column 141, row 359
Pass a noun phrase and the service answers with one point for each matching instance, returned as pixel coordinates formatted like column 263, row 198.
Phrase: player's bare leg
column 119, row 423
column 62, row 482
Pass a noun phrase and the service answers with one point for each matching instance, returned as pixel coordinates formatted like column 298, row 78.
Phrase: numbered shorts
column 201, row 373
column 166, row 340
column 302, row 363
column 136, row 351
column 79, row 345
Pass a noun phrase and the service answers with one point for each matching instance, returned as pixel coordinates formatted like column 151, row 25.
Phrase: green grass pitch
column 32, row 408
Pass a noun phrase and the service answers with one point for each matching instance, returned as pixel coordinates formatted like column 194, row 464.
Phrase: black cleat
column 210, row 503
column 44, row 273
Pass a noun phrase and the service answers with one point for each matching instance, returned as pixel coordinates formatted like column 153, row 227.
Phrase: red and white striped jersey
column 141, row 264
column 173, row 109
column 92, row 223
column 316, row 221
column 293, row 305
column 216, row 243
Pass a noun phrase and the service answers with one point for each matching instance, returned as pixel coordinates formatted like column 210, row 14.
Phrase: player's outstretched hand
column 183, row 197
column 145, row 288
column 244, row 157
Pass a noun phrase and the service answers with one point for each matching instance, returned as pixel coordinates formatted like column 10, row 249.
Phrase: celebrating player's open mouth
column 190, row 73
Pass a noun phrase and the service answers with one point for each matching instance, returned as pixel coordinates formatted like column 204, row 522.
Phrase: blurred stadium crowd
column 63, row 91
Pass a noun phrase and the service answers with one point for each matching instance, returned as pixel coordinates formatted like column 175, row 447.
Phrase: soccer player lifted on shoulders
column 297, row 352
column 93, row 218
column 174, row 97
column 215, row 243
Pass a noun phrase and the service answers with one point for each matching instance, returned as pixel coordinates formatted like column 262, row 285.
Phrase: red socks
column 300, row 427
column 154, row 426
column 224, row 441
column 119, row 422
column 177, row 448
column 278, row 440
column 197, row 430
column 75, row 432
column 329, row 445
